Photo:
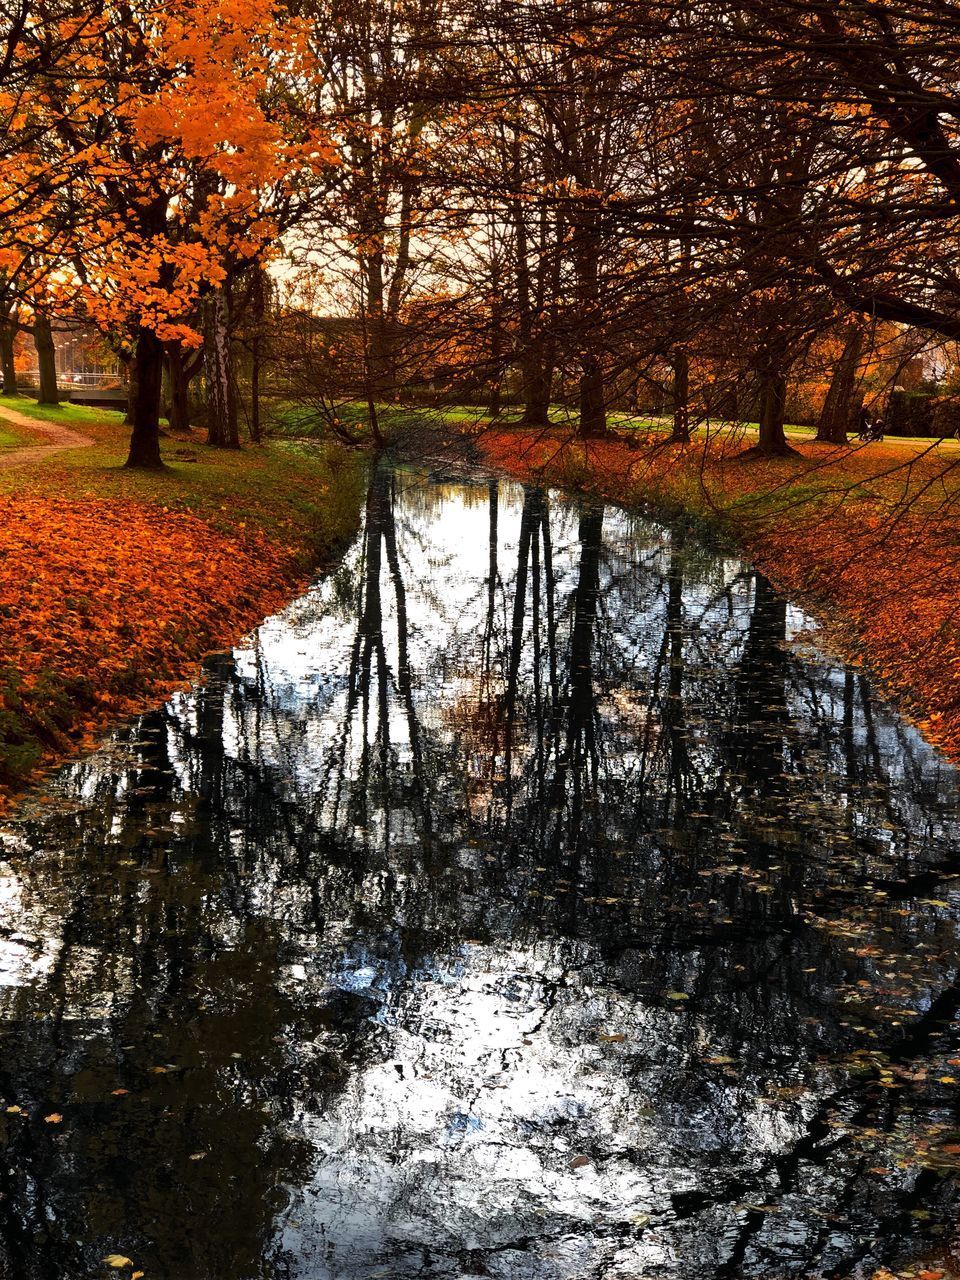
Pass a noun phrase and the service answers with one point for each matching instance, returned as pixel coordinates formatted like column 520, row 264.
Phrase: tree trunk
column 375, row 431
column 495, row 375
column 131, row 414
column 586, row 247
column 536, row 367
column 259, row 308
column 495, row 367
column 494, row 401
column 773, row 400
column 222, row 429
column 146, row 380
column 681, row 397
column 8, row 332
column 378, row 341
column 179, row 416
column 537, row 385
column 46, row 360
column 166, row 390
column 593, row 408
column 836, row 418
column 256, row 429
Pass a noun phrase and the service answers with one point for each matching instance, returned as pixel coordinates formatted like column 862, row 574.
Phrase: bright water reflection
column 522, row 902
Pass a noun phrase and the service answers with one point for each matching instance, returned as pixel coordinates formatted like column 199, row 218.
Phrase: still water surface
column 530, row 899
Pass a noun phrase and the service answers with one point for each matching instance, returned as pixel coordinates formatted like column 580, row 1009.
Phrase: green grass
column 288, row 420
column 9, row 438
column 308, row 500
column 291, row 421
column 69, row 414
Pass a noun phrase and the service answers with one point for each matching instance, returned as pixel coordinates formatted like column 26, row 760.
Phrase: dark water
column 525, row 901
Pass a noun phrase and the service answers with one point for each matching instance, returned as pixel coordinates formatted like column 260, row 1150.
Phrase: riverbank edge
column 113, row 636
column 848, row 597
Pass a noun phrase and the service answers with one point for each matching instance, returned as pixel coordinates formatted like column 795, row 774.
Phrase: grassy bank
column 113, row 584
column 867, row 538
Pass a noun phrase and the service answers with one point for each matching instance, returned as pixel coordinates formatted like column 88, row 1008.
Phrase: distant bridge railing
column 81, row 378
column 67, row 378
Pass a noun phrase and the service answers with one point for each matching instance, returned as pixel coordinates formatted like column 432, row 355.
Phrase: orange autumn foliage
column 104, row 604
column 153, row 157
column 864, row 541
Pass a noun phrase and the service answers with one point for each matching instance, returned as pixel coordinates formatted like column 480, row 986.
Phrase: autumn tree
column 176, row 167
column 375, row 97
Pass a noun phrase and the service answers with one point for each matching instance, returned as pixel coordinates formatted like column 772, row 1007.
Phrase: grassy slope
column 304, row 498
column 113, row 583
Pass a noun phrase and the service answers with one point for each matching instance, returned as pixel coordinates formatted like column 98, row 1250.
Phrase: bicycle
column 871, row 433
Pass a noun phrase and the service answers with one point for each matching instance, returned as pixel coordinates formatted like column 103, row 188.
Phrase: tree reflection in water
column 524, row 901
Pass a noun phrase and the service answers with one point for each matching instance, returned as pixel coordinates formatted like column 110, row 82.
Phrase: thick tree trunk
column 773, row 400
column 681, row 397
column 837, row 415
column 8, row 331
column 222, row 429
column 593, row 408
column 46, row 360
column 146, row 380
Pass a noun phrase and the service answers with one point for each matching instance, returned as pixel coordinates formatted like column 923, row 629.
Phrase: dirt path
column 58, row 438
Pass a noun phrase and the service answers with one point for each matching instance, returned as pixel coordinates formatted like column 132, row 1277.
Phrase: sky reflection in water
column 524, row 901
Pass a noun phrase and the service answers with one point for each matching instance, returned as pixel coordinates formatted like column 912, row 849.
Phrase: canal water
column 530, row 899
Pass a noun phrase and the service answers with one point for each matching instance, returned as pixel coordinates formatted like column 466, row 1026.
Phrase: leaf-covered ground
column 114, row 584
column 867, row 537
